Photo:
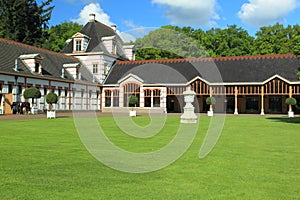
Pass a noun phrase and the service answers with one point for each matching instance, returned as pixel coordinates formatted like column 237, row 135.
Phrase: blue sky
column 137, row 17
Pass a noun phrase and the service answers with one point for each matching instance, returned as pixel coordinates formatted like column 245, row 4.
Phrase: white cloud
column 101, row 16
column 192, row 12
column 93, row 8
column 263, row 12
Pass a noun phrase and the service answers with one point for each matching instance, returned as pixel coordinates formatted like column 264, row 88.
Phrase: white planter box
column 210, row 113
column 34, row 110
column 132, row 113
column 291, row 114
column 51, row 114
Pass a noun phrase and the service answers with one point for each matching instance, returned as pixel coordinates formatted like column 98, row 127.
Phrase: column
column 142, row 97
column 163, row 99
column 290, row 95
column 152, row 99
column 236, row 92
column 112, row 98
column 210, row 94
column 262, row 101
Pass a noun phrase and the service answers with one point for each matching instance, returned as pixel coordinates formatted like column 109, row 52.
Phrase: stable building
column 240, row 84
column 23, row 66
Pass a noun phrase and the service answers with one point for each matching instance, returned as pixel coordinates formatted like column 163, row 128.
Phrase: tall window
column 116, row 98
column 95, row 68
column 156, row 98
column 107, row 98
column 78, row 45
column 131, row 89
column 37, row 67
column 147, row 98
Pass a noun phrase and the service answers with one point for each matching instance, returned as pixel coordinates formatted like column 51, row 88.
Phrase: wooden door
column 8, row 102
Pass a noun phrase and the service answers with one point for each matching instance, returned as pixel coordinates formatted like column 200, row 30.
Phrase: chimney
column 92, row 17
column 114, row 27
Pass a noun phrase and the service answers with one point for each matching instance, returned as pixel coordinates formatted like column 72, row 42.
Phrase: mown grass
column 255, row 158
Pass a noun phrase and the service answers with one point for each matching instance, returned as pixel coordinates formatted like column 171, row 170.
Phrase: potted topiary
column 133, row 100
column 210, row 101
column 291, row 102
column 32, row 93
column 51, row 98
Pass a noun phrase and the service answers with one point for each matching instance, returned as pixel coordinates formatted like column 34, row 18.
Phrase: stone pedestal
column 188, row 116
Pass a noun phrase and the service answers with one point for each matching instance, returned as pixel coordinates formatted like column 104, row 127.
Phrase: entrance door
column 8, row 102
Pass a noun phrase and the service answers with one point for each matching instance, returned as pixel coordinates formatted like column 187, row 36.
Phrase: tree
column 133, row 100
column 168, row 42
column 274, row 39
column 59, row 34
column 25, row 21
column 32, row 93
column 51, row 98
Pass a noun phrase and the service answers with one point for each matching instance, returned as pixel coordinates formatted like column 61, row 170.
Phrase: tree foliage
column 291, row 101
column 133, row 100
column 51, row 98
column 32, row 93
column 25, row 20
column 175, row 42
column 210, row 100
column 59, row 34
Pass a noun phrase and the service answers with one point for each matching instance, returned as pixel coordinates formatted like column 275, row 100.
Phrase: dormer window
column 81, row 42
column 78, row 45
column 33, row 62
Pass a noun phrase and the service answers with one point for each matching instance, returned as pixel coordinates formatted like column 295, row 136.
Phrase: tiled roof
column 52, row 62
column 95, row 30
column 235, row 69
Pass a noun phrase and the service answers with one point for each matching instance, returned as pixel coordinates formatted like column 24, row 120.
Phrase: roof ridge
column 225, row 58
column 36, row 48
column 104, row 25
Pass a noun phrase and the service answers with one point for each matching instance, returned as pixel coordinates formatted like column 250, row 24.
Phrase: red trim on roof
column 229, row 58
column 36, row 48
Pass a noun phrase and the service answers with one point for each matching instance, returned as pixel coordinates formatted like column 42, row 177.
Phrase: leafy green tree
column 274, row 39
column 51, row 98
column 32, row 93
column 168, row 42
column 25, row 20
column 59, row 34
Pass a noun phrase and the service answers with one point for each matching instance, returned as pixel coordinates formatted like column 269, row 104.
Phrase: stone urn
column 189, row 116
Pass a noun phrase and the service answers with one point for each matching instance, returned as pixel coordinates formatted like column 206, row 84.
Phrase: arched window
column 131, row 89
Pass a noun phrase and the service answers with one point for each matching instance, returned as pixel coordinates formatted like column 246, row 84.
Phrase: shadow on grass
column 295, row 120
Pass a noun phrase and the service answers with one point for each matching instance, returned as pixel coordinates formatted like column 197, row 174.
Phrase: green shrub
column 291, row 101
column 210, row 100
column 133, row 100
column 51, row 98
column 32, row 93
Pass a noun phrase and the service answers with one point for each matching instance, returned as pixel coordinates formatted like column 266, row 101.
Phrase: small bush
column 51, row 98
column 291, row 101
column 210, row 100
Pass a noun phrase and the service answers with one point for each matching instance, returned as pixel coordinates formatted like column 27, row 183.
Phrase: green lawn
column 255, row 158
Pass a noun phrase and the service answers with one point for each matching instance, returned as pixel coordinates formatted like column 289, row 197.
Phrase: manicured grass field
column 255, row 158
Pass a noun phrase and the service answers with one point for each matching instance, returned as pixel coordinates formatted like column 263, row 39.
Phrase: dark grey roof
column 95, row 31
column 255, row 69
column 52, row 62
